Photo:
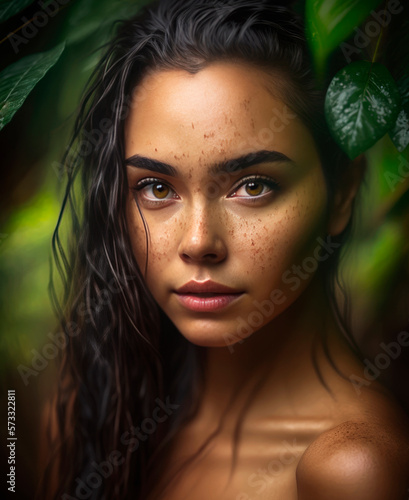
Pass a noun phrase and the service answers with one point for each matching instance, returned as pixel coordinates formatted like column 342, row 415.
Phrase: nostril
column 201, row 248
column 208, row 256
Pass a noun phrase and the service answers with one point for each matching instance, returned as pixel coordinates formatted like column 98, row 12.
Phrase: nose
column 203, row 238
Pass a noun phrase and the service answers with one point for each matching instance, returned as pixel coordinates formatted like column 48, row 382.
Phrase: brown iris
column 254, row 188
column 160, row 191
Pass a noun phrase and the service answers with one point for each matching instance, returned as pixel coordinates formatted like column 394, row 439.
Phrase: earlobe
column 343, row 202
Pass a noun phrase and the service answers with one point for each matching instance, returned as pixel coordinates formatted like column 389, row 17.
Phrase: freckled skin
column 193, row 122
column 182, row 121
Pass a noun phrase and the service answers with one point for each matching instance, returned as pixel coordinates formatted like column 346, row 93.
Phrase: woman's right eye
column 155, row 191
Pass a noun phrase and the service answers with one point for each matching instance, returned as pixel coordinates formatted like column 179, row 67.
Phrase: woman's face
column 231, row 188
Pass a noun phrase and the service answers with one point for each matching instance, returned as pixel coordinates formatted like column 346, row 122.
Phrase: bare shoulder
column 358, row 460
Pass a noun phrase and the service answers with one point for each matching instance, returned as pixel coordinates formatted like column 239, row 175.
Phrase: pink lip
column 206, row 296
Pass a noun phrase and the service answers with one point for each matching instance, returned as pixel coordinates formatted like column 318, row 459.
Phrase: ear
column 342, row 204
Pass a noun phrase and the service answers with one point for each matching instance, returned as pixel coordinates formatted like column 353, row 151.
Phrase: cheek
column 153, row 242
column 161, row 248
column 283, row 238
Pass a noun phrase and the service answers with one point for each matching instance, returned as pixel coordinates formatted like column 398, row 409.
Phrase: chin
column 210, row 336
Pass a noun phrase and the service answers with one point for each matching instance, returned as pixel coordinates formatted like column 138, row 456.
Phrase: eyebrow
column 232, row 165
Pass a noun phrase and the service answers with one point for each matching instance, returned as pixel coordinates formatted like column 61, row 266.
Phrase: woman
column 205, row 355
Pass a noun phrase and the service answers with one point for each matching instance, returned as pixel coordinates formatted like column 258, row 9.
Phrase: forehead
column 222, row 111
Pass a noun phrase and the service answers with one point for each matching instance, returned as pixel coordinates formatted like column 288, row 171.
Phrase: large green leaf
column 19, row 79
column 329, row 22
column 400, row 132
column 361, row 106
column 9, row 8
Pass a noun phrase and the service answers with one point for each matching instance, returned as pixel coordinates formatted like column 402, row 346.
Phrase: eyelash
column 267, row 181
column 260, row 179
column 152, row 181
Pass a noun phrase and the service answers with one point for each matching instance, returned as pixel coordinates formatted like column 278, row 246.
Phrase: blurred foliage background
column 31, row 190
column 32, row 184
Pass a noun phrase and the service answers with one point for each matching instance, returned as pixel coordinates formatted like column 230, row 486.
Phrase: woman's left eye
column 255, row 187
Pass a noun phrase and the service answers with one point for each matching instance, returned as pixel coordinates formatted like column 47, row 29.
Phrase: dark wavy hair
column 123, row 355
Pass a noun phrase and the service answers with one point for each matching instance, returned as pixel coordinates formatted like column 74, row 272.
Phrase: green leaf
column 400, row 132
column 329, row 22
column 95, row 18
column 19, row 79
column 9, row 8
column 361, row 106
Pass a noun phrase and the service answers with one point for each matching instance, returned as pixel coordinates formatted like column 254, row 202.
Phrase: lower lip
column 205, row 304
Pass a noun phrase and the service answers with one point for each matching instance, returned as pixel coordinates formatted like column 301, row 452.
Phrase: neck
column 277, row 358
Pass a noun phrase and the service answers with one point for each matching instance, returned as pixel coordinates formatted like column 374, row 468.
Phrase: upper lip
column 205, row 287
